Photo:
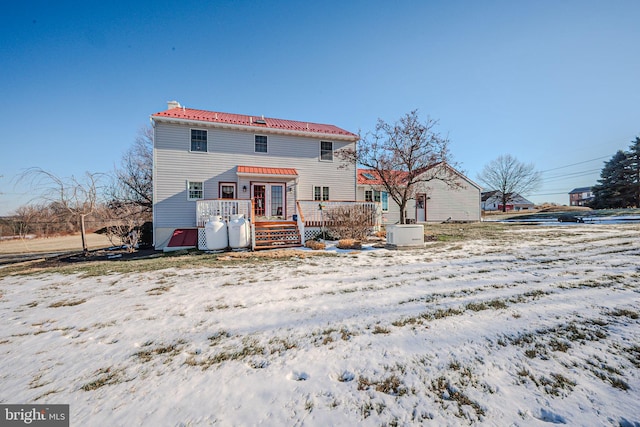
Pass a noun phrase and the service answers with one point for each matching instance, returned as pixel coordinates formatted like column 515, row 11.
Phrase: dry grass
column 53, row 244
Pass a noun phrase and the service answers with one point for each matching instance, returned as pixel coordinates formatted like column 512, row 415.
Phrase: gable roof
column 514, row 198
column 181, row 114
column 488, row 194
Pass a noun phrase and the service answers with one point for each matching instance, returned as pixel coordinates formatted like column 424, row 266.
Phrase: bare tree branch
column 80, row 197
column 402, row 155
column 133, row 181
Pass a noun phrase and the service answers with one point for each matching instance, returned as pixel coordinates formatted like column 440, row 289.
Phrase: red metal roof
column 371, row 177
column 258, row 122
column 259, row 170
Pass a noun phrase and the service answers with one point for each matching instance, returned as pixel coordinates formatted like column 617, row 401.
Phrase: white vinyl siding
column 461, row 204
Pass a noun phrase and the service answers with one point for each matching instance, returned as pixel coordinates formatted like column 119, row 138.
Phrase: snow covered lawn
column 539, row 327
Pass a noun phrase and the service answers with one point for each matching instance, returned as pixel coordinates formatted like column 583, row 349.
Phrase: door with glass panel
column 268, row 200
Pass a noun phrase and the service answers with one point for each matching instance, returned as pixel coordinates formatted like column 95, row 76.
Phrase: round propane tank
column 215, row 231
column 239, row 232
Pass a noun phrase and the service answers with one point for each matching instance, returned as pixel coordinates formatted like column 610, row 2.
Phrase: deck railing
column 205, row 209
column 315, row 213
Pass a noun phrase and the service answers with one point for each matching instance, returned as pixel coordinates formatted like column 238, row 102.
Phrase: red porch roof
column 259, row 170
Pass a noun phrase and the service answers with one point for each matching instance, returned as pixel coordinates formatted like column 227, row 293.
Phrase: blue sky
column 554, row 83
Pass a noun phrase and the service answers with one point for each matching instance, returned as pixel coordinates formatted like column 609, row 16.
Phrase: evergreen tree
column 633, row 159
column 614, row 189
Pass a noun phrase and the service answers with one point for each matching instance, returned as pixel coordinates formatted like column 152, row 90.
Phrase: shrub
column 349, row 244
column 349, row 222
column 315, row 245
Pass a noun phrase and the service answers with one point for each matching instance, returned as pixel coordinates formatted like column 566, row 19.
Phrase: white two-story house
column 201, row 155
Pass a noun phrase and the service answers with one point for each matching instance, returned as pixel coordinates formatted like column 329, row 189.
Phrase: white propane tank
column 239, row 232
column 215, row 231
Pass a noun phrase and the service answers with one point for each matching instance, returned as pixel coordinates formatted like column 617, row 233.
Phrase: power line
column 548, row 194
column 573, row 173
column 570, row 175
column 575, row 164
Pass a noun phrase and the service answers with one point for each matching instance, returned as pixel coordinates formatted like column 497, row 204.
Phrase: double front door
column 268, row 200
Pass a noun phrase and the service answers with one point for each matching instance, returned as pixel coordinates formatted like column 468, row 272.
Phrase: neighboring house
column 269, row 163
column 492, row 201
column 435, row 200
column 580, row 196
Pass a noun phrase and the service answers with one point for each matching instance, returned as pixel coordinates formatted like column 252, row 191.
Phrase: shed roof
column 259, row 170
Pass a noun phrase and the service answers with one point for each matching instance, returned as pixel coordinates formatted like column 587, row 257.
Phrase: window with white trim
column 384, row 198
column 227, row 190
column 321, row 193
column 195, row 190
column 368, row 195
column 198, row 140
column 260, row 144
column 377, row 196
column 326, row 151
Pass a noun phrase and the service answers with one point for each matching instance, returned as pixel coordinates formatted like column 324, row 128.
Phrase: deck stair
column 276, row 234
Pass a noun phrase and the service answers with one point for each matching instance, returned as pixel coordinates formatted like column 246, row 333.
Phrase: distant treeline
column 49, row 221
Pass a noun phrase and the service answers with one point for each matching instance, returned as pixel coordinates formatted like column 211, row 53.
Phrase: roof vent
column 173, row 104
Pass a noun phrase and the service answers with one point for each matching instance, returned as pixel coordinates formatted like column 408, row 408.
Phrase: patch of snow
column 541, row 328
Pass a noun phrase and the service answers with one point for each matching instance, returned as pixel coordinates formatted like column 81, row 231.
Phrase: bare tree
column 124, row 224
column 25, row 219
column 402, row 155
column 80, row 197
column 510, row 178
column 133, row 180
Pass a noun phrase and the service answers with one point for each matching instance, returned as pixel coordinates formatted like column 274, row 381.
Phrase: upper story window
column 195, row 190
column 198, row 140
column 326, row 151
column 260, row 144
